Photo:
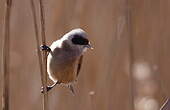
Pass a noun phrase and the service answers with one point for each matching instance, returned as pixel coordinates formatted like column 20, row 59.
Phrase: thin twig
column 37, row 38
column 42, row 22
column 42, row 59
column 45, row 106
column 6, row 59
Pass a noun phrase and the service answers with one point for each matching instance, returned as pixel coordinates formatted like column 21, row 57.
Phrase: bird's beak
column 89, row 46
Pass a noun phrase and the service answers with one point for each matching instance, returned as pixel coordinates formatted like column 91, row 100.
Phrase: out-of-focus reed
column 6, row 56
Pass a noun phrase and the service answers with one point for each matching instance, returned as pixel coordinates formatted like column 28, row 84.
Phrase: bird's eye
column 79, row 40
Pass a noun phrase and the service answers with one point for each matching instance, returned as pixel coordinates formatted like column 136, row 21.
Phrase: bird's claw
column 48, row 88
column 45, row 48
column 71, row 89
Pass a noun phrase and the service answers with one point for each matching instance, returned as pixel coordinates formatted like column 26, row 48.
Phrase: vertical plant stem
column 6, row 59
column 42, row 22
column 44, row 82
column 37, row 37
column 131, row 52
column 42, row 59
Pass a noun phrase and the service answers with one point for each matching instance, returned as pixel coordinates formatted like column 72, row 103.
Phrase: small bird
column 65, row 57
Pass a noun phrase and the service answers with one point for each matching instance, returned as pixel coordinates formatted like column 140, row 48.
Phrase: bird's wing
column 79, row 64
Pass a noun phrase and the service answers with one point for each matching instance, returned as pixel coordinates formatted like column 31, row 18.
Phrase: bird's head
column 77, row 39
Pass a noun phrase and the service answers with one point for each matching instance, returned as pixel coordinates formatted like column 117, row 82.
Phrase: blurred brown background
column 130, row 37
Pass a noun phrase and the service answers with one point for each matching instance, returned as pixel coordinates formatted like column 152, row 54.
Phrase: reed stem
column 6, row 57
column 42, row 57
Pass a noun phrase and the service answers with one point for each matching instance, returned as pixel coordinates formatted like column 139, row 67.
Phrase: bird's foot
column 71, row 89
column 45, row 48
column 49, row 87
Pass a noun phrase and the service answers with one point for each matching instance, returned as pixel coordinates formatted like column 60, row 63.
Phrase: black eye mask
column 79, row 40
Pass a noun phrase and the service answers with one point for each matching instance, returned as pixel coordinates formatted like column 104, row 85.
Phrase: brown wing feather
column 79, row 64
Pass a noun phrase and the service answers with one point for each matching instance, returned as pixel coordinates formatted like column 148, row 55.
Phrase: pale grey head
column 77, row 39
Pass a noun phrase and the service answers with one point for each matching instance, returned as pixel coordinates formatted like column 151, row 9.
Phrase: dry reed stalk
column 131, row 51
column 42, row 59
column 6, row 57
column 44, row 75
column 36, row 36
